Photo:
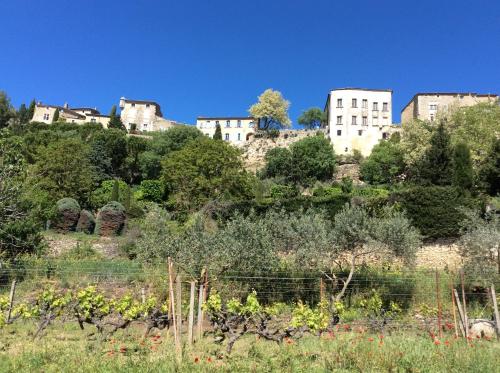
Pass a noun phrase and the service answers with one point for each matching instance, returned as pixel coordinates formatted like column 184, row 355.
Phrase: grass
column 65, row 348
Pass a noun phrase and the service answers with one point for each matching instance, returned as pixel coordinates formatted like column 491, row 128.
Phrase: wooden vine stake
column 199, row 326
column 11, row 299
column 460, row 312
column 191, row 312
column 438, row 299
column 178, row 301
column 495, row 310
column 466, row 321
column 453, row 309
column 172, row 303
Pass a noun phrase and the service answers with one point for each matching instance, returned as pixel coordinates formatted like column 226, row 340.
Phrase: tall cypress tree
column 56, row 116
column 114, row 120
column 490, row 171
column 463, row 174
column 436, row 166
column 31, row 110
column 115, row 194
column 22, row 114
column 218, row 133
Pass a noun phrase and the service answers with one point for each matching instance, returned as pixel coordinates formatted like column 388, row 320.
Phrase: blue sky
column 216, row 57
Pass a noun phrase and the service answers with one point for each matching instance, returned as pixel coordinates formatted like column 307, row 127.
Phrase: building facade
column 426, row 106
column 45, row 114
column 236, row 130
column 145, row 116
column 358, row 118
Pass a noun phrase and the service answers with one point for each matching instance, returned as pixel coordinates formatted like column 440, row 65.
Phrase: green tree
column 436, row 167
column 19, row 233
column 312, row 159
column 384, row 164
column 271, row 110
column 31, row 110
column 358, row 235
column 135, row 146
column 115, row 121
column 56, row 116
column 7, row 111
column 489, row 173
column 113, row 144
column 278, row 162
column 203, row 170
column 115, row 194
column 218, row 132
column 22, row 114
column 463, row 174
column 415, row 140
column 312, row 118
column 174, row 139
column 63, row 169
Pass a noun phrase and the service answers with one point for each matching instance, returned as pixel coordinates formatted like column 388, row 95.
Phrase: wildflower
column 209, row 359
column 447, row 343
column 381, row 336
column 196, row 359
column 437, row 342
column 381, row 343
column 123, row 349
column 370, row 339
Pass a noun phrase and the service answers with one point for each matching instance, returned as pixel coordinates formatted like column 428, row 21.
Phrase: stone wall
column 256, row 148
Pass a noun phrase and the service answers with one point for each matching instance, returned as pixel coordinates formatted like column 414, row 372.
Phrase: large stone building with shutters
column 358, row 118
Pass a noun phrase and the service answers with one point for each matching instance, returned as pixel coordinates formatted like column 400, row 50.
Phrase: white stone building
column 358, row 118
column 145, row 116
column 236, row 130
column 45, row 114
column 426, row 106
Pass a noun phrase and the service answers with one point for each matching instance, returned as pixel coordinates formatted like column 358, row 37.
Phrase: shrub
column 104, row 193
column 68, row 212
column 111, row 219
column 283, row 191
column 327, row 192
column 150, row 190
column 434, row 210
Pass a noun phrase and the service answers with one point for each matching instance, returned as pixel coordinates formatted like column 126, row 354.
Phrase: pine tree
column 463, row 174
column 114, row 120
column 115, row 194
column 489, row 173
column 436, row 166
column 127, row 198
column 31, row 110
column 56, row 116
column 218, row 132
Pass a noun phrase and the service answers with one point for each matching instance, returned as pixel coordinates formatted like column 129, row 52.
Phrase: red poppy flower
column 370, row 339
column 196, row 359
column 209, row 359
column 437, row 342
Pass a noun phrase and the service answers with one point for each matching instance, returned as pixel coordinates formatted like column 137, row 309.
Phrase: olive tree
column 357, row 236
column 480, row 244
column 271, row 110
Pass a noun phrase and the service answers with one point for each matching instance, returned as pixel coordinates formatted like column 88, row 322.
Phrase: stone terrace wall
column 256, row 148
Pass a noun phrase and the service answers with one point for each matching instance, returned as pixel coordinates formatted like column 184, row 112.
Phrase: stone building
column 45, row 114
column 426, row 106
column 145, row 116
column 236, row 130
column 358, row 118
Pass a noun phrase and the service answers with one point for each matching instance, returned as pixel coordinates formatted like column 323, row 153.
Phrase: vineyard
column 117, row 316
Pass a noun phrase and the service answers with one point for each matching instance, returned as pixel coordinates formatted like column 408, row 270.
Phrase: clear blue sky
column 215, row 57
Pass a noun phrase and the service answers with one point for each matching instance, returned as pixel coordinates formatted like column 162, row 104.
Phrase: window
column 339, row 102
column 339, row 132
column 133, row 105
column 251, row 124
column 354, row 102
column 365, row 104
column 385, row 135
column 339, row 119
column 239, row 123
column 375, row 106
column 360, row 132
column 239, row 136
column 433, row 107
column 365, row 121
column 46, row 116
column 147, row 105
column 354, row 120
column 216, row 122
column 432, row 117
column 228, row 123
column 226, row 136
column 145, row 125
column 385, row 106
column 92, row 120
